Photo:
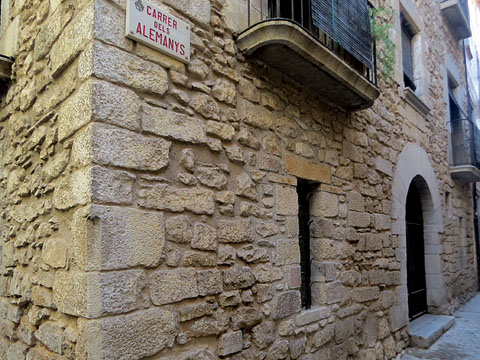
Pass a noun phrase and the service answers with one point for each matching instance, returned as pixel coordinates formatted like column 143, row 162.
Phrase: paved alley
column 461, row 342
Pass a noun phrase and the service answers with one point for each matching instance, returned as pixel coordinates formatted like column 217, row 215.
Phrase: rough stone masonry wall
column 44, row 175
column 457, row 255
column 149, row 207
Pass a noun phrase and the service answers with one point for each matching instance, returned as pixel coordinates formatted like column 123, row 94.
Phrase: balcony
column 465, row 161
column 332, row 55
column 456, row 12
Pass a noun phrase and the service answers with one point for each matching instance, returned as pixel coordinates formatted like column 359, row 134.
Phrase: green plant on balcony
column 380, row 27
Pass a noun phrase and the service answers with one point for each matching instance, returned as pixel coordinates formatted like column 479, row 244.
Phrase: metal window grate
column 348, row 23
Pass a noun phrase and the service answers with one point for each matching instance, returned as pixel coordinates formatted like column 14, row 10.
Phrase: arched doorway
column 416, row 280
column 413, row 166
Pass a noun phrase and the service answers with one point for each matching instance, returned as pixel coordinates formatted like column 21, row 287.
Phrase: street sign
column 154, row 27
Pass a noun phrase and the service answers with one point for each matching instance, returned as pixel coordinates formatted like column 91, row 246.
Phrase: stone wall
column 44, row 175
column 149, row 207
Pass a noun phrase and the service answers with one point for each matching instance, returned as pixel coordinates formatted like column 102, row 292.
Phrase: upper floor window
column 455, row 112
column 407, row 53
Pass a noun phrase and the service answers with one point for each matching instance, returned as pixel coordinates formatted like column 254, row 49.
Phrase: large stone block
column 287, row 252
column 238, row 277
column 173, row 125
column 129, row 69
column 307, row 169
column 358, row 219
column 382, row 222
column 64, row 50
column 179, row 229
column 255, row 115
column 111, row 186
column 220, row 130
column 55, row 252
column 230, row 343
column 286, row 304
column 286, row 200
column 329, row 293
column 169, row 286
column 48, row 33
column 123, row 148
column 235, row 231
column 73, row 190
column 365, row 294
column 110, row 238
column 129, row 337
column 245, row 318
column 324, row 204
column 51, row 335
column 164, row 197
column 355, row 201
column 198, row 10
column 115, row 105
column 92, row 295
column 205, row 237
column 264, row 334
column 224, row 91
column 107, row 18
column 76, row 111
column 209, row 282
column 313, row 315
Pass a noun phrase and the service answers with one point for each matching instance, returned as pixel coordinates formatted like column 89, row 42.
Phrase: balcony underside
column 456, row 18
column 468, row 173
column 290, row 49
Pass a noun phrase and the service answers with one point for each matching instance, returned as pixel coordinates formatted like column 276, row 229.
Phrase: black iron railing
column 333, row 26
column 465, row 143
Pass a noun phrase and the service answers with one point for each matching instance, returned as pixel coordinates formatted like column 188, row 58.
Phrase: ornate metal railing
column 343, row 26
column 465, row 143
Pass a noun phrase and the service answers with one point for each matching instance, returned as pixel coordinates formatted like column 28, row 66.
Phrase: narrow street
column 461, row 342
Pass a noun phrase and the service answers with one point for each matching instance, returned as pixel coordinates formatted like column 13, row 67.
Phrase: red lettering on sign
column 139, row 29
column 182, row 50
column 175, row 24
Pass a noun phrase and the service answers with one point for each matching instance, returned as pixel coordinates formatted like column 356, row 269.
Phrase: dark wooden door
column 416, row 283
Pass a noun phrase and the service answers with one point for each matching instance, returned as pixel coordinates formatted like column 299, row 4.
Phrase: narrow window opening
column 304, row 190
column 407, row 52
column 448, row 204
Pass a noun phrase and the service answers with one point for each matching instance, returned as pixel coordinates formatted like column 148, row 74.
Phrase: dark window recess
column 407, row 53
column 304, row 190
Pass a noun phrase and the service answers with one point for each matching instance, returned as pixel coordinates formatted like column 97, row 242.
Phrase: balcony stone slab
column 468, row 173
column 457, row 19
column 287, row 47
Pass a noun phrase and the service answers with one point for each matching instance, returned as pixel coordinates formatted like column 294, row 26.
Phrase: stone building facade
column 150, row 207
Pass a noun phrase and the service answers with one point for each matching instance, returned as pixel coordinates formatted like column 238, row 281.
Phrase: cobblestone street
column 461, row 342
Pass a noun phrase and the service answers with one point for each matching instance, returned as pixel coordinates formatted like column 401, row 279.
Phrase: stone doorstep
column 425, row 330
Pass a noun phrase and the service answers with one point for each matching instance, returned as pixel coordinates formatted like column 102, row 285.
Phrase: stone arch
column 414, row 166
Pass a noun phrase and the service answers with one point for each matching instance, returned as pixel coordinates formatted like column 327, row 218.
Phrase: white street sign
column 152, row 26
